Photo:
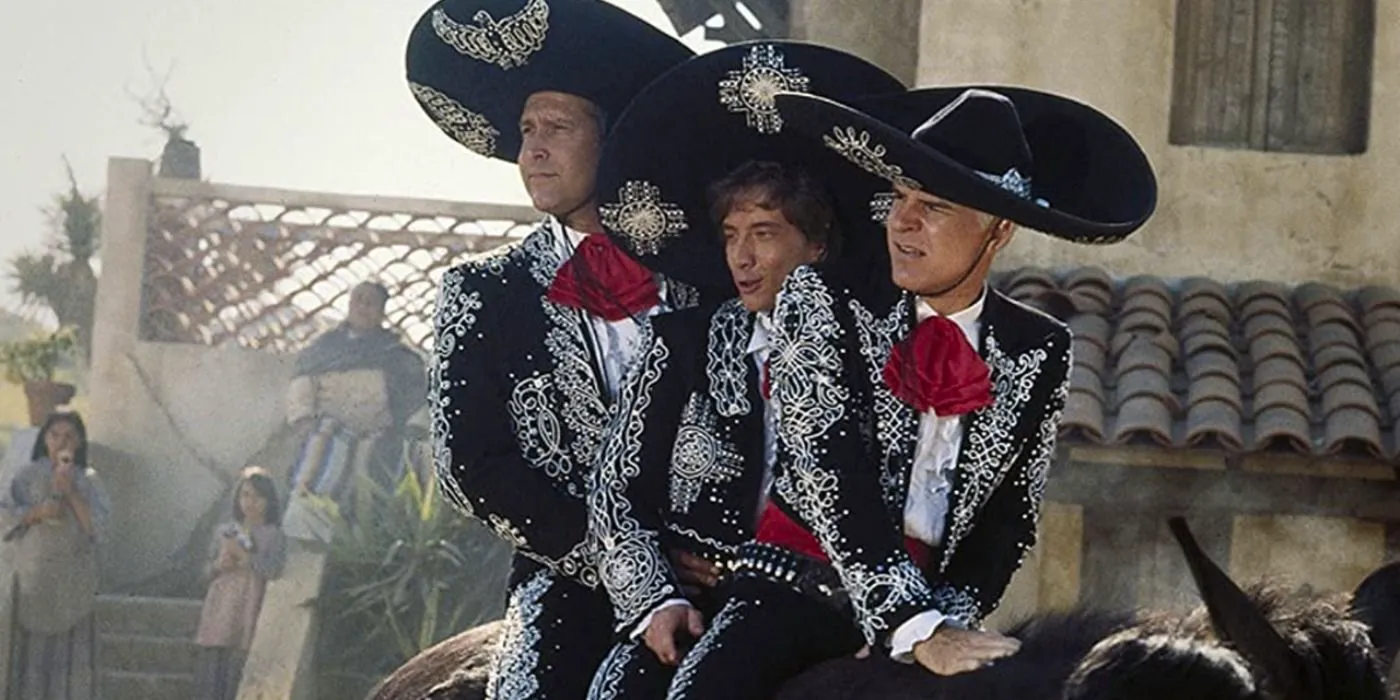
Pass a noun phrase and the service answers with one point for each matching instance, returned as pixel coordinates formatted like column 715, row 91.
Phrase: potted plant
column 31, row 364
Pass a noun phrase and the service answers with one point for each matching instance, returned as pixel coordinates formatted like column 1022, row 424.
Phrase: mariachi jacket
column 519, row 402
column 683, row 461
column 847, row 446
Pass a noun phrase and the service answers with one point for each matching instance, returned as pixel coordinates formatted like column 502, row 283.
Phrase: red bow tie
column 935, row 368
column 602, row 280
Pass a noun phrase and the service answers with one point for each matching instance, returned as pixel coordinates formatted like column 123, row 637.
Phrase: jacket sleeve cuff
column 914, row 630
column 642, row 626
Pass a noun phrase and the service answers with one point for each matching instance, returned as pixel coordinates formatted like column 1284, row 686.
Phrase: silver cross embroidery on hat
column 508, row 42
column 750, row 89
column 643, row 217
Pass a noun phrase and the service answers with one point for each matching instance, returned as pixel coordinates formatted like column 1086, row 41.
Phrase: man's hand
column 661, row 633
column 952, row 650
column 693, row 571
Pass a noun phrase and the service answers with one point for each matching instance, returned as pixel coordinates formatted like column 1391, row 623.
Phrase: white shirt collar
column 968, row 319
column 568, row 239
column 762, row 334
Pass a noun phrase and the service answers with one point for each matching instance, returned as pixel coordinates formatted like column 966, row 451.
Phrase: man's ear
column 1002, row 233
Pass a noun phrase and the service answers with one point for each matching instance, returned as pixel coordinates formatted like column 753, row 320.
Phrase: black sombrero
column 472, row 63
column 1044, row 161
column 704, row 118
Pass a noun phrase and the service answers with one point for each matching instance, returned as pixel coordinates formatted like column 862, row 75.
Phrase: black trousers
column 556, row 633
column 764, row 634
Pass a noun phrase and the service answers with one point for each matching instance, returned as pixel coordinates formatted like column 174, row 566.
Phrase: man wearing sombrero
column 687, row 460
column 914, row 439
column 532, row 338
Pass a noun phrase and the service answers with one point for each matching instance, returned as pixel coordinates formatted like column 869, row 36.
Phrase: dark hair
column 41, row 448
column 800, row 196
column 378, row 287
column 1134, row 666
column 263, row 484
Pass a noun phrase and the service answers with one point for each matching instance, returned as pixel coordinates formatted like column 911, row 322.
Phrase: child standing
column 247, row 553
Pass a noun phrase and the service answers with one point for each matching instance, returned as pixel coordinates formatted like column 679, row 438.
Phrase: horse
column 1265, row 643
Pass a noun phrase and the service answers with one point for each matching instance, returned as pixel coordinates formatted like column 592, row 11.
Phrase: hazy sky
column 299, row 94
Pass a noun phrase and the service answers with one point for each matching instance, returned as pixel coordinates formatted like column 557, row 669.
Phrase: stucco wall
column 165, row 417
column 187, row 412
column 888, row 38
column 1230, row 214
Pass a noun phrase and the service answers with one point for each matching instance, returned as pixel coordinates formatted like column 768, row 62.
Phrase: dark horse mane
column 1266, row 642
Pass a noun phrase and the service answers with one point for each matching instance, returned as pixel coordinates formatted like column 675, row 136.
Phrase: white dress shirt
column 759, row 344
column 935, row 459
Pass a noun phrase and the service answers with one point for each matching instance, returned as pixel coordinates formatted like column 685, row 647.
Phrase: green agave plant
column 410, row 572
column 36, row 359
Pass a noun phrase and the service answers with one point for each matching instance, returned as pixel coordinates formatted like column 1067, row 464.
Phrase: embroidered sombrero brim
column 471, row 64
column 1090, row 180
column 703, row 119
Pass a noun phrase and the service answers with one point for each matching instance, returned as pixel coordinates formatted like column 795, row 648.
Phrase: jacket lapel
column 991, row 442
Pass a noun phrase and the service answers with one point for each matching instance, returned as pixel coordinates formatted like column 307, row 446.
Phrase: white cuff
column 642, row 626
column 914, row 630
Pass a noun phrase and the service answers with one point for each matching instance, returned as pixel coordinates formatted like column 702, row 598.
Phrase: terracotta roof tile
column 1312, row 294
column 1144, row 418
column 1089, row 354
column 1275, row 345
column 1196, row 363
column 1279, row 369
column 1330, row 334
column 1094, row 328
column 1214, row 424
column 1092, row 300
column 1380, row 314
column 1280, row 395
column 1213, row 363
column 1390, row 382
column 1084, row 407
column 1331, row 355
column 1203, row 342
column 1266, row 323
column 1147, row 284
column 1382, row 333
column 1144, row 353
column 1089, row 276
column 1353, row 431
column 1266, row 304
column 1259, row 288
column 1324, row 314
column 1149, row 302
column 1215, row 388
column 1282, row 427
column 1386, row 356
column 1144, row 382
column 1371, row 298
column 1163, row 339
column 1204, row 322
column 1193, row 287
column 1142, row 319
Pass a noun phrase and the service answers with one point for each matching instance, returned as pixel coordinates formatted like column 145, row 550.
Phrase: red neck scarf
column 604, row 281
column 936, row 368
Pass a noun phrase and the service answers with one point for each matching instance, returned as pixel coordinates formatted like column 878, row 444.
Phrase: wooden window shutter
column 1320, row 75
column 1277, row 75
